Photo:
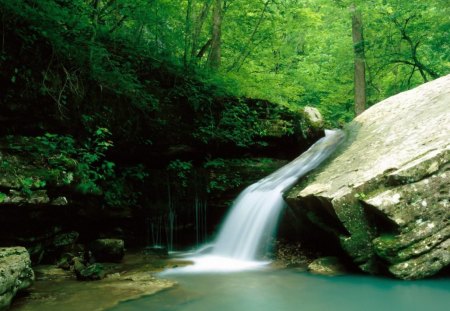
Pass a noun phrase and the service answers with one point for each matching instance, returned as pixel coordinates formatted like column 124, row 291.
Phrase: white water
column 251, row 224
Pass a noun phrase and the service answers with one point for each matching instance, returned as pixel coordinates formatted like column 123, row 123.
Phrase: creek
column 286, row 290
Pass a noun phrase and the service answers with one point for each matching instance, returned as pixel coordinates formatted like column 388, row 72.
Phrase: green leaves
column 182, row 170
column 67, row 162
column 2, row 197
column 119, row 64
column 29, row 183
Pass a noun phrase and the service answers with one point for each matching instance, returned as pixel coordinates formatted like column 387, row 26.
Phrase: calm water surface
column 290, row 290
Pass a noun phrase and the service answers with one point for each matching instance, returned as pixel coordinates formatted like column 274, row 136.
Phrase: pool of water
column 288, row 290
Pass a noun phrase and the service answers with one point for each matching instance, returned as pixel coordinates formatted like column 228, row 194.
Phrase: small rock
column 327, row 266
column 313, row 116
column 93, row 272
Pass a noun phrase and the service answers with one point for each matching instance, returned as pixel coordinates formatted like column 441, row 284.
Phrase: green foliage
column 123, row 189
column 2, row 197
column 29, row 183
column 182, row 170
column 125, row 59
column 65, row 161
column 230, row 174
column 237, row 123
column 93, row 168
column 221, row 178
column 406, row 43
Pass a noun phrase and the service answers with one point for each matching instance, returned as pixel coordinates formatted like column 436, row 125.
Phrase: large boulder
column 384, row 196
column 15, row 273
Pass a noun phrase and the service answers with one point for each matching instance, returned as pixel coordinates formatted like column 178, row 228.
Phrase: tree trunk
column 204, row 49
column 199, row 26
column 95, row 15
column 187, row 34
column 360, row 62
column 216, row 41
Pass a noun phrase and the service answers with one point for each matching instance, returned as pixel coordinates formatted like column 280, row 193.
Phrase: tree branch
column 241, row 58
column 118, row 24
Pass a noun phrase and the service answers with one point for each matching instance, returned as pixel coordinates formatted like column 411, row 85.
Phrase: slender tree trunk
column 360, row 62
column 203, row 49
column 216, row 40
column 157, row 27
column 198, row 27
column 3, row 31
column 95, row 15
column 187, row 33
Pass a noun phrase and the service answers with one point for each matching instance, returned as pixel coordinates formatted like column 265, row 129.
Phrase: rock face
column 15, row 273
column 384, row 195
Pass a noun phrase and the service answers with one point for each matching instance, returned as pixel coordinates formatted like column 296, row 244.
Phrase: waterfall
column 252, row 220
column 255, row 212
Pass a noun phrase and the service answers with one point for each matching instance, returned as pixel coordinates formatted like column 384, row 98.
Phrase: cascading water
column 254, row 214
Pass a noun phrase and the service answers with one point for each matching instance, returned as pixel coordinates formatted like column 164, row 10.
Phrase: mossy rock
column 330, row 266
column 93, row 272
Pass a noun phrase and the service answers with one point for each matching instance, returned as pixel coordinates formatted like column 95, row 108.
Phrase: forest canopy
column 290, row 52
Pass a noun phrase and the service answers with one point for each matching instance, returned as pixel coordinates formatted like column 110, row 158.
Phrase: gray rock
column 107, row 250
column 313, row 116
column 386, row 192
column 15, row 273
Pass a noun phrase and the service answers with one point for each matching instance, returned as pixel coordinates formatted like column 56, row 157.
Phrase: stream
column 287, row 290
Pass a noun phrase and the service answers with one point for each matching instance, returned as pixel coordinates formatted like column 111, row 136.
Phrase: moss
column 386, row 246
column 425, row 265
column 410, row 244
column 330, row 266
column 359, row 244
